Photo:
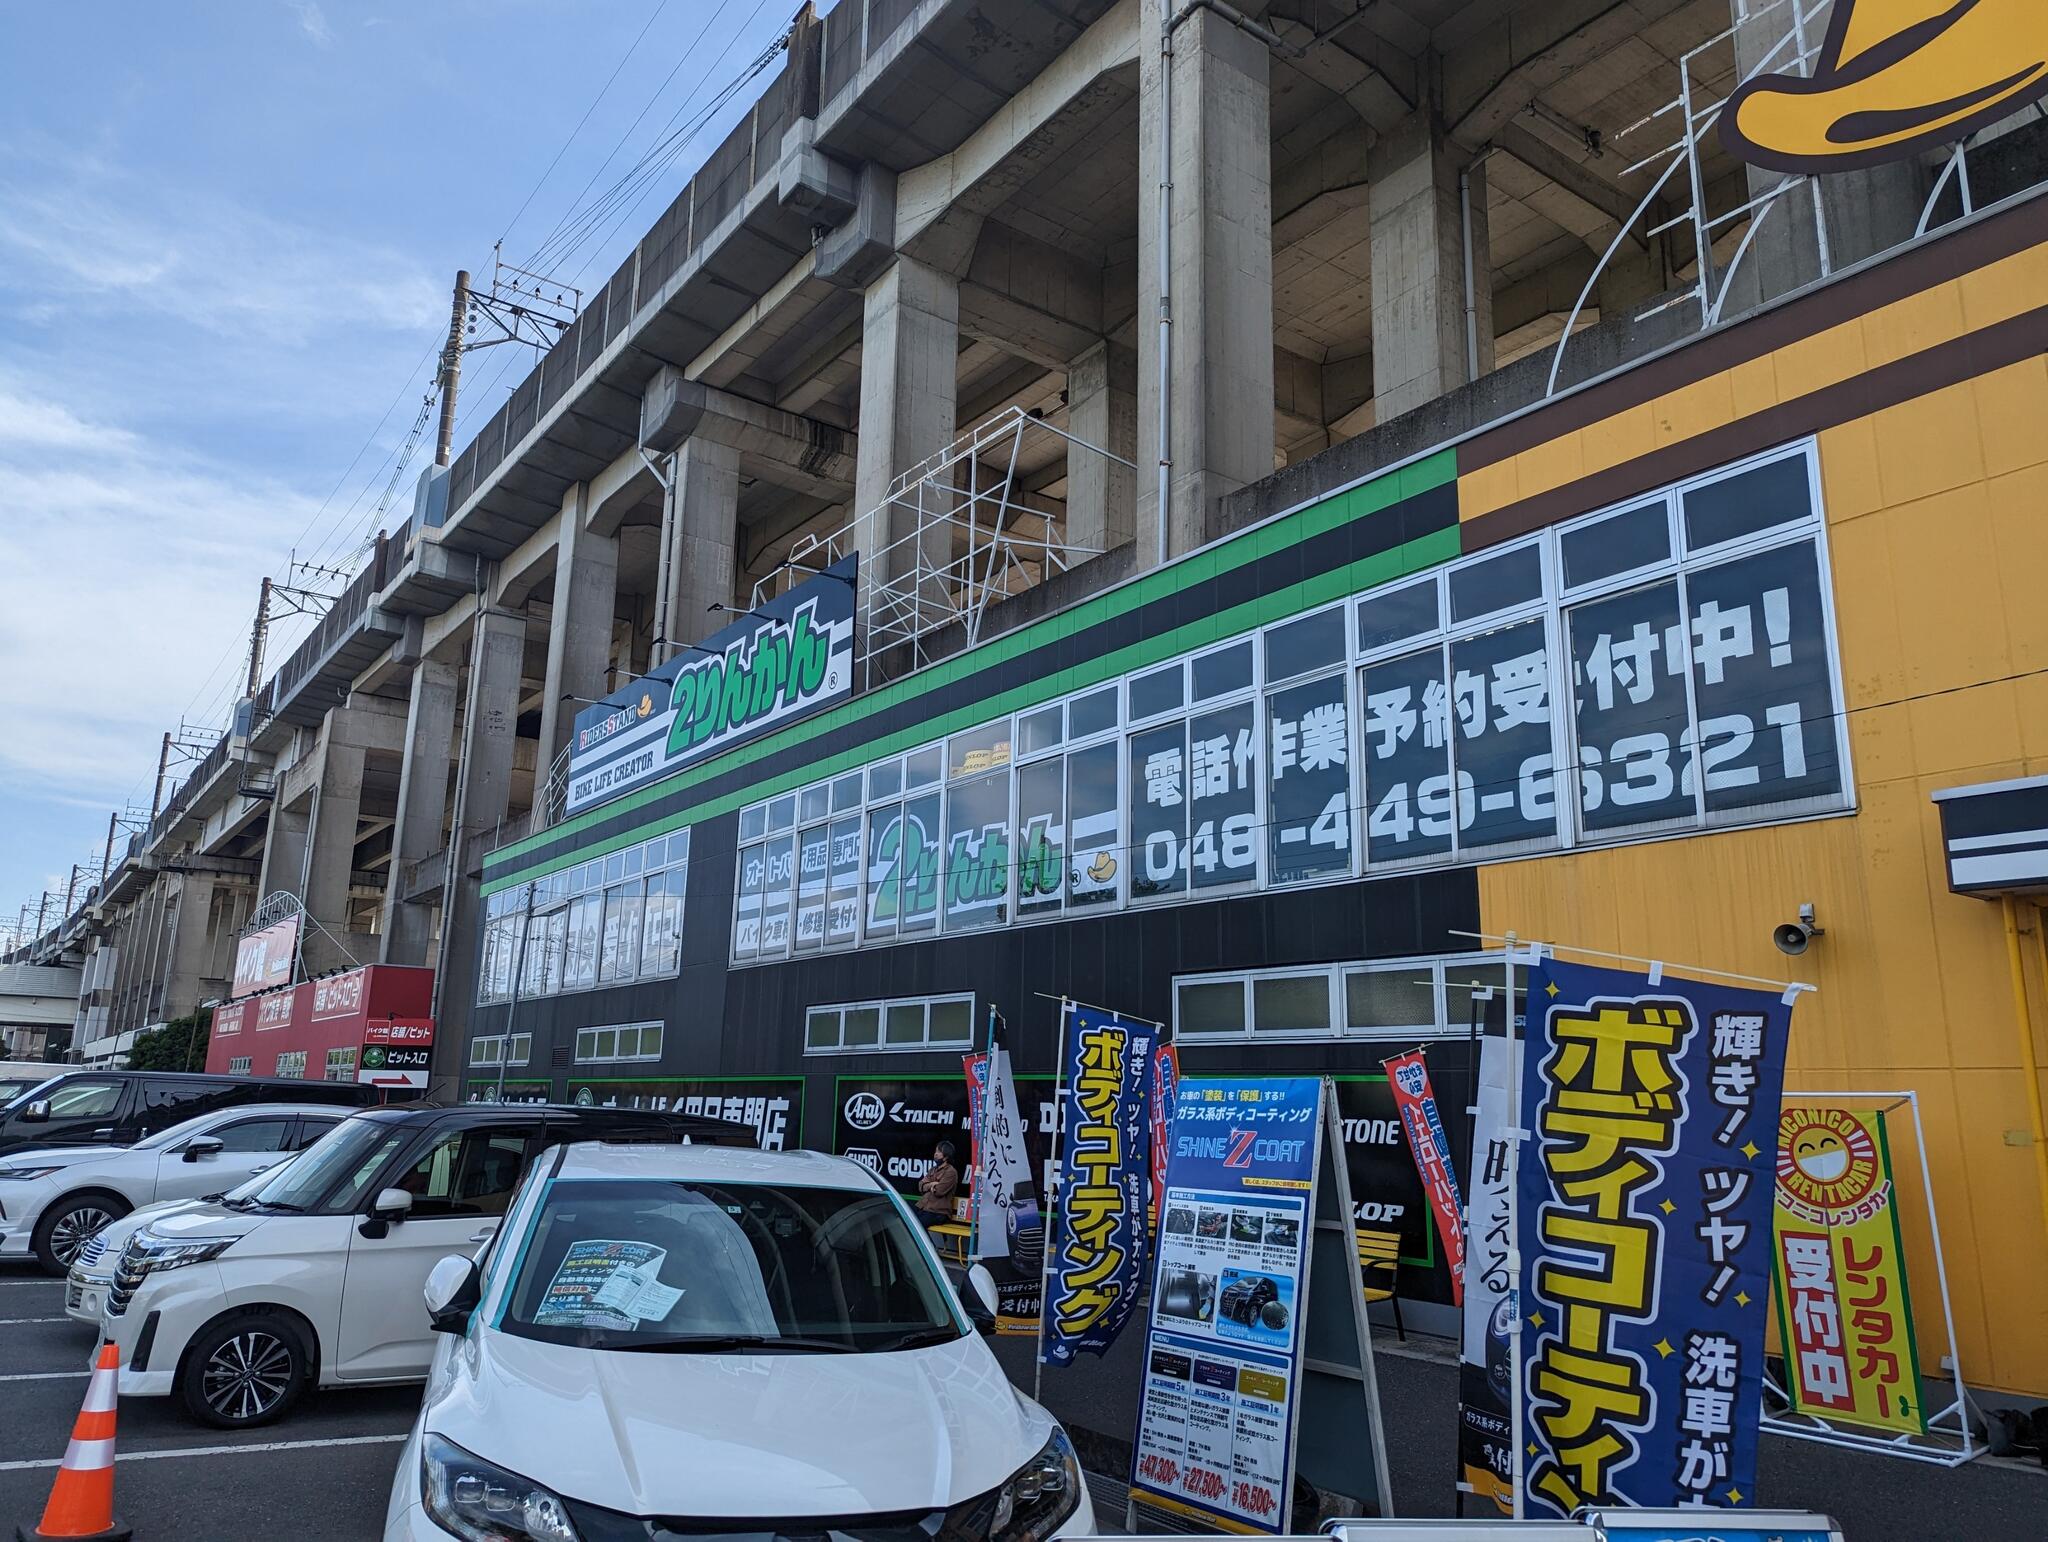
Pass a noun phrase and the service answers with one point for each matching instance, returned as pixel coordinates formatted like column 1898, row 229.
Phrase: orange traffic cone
column 81, row 1506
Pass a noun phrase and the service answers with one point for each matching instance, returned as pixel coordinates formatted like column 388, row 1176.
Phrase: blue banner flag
column 1095, row 1269
column 1645, row 1223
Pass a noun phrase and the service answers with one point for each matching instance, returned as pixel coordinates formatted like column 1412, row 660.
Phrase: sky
column 227, row 237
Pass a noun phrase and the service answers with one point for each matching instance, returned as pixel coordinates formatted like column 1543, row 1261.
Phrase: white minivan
column 681, row 1341
column 237, row 1307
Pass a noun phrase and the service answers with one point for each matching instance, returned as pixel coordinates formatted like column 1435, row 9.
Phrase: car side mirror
column 390, row 1205
column 453, row 1290
column 37, row 1112
column 204, row 1146
column 981, row 1300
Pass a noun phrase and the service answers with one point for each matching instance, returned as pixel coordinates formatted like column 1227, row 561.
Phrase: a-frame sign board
column 1258, row 1357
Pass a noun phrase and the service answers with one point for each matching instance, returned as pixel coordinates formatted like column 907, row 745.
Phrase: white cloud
column 313, row 22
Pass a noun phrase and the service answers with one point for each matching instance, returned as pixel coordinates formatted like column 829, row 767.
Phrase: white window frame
column 589, row 1043
column 1441, row 969
column 881, row 1008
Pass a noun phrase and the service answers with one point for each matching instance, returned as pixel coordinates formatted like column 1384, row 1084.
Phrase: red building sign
column 373, row 1024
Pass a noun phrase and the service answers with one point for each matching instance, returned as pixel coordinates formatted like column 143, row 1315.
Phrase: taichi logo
column 864, row 1111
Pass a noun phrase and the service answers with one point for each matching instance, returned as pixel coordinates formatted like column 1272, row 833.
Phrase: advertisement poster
column 1486, row 1464
column 1095, row 1264
column 1005, row 1200
column 264, row 958
column 1843, row 1309
column 1223, row 1357
column 788, row 658
column 1644, row 1216
column 772, row 1107
column 602, row 1283
column 1430, row 1145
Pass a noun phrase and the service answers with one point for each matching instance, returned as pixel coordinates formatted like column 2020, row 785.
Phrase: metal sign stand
column 1806, row 1426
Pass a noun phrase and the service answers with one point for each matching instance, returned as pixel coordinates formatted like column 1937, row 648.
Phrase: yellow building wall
column 1937, row 516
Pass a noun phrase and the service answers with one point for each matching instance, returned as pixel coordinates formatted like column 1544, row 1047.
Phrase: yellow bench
column 951, row 1238
column 1379, row 1261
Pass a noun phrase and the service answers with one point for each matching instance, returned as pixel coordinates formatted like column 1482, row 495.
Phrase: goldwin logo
column 864, row 1111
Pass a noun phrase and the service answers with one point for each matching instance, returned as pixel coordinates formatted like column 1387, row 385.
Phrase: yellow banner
column 1843, row 1311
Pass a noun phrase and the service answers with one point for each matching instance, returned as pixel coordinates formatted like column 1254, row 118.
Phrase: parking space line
column 20, row 1322
column 273, row 1445
column 43, row 1375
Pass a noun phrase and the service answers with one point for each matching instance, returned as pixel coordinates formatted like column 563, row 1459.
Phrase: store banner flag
column 1165, row 1088
column 1001, row 1192
column 1644, row 1213
column 1843, row 1308
column 1095, row 1269
column 1485, row 1372
column 1430, row 1145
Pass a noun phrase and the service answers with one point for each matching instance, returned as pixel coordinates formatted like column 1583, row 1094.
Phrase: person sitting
column 935, row 1190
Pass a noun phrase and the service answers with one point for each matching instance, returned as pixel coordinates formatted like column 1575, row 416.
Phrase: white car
column 52, row 1201
column 667, row 1340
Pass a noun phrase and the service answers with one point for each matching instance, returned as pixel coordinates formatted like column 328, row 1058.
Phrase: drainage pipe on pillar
column 2030, row 1068
column 1471, row 294
column 663, row 579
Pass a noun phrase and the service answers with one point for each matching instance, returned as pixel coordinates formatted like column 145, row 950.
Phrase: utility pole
column 163, row 766
column 451, row 371
column 258, row 636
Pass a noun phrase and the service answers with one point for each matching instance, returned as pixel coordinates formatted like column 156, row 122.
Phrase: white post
column 1955, row 1360
column 1515, row 1390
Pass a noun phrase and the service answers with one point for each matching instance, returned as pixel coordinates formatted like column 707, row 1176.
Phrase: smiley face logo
column 1829, row 1167
column 1821, row 1155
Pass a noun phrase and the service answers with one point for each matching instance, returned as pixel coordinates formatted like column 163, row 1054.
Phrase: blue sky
column 227, row 233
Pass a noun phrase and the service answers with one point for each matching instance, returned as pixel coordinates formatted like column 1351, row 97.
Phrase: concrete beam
column 1102, row 411
column 1610, row 205
column 700, row 527
column 808, row 455
column 1030, row 298
column 1487, row 81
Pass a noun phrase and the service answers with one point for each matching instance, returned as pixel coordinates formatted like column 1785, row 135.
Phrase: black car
column 1245, row 1300
column 118, row 1108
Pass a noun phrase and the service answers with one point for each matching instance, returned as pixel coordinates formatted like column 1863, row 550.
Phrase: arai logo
column 864, row 1111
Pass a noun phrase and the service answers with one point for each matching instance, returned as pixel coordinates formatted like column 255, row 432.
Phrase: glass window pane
column 1223, row 777
column 580, row 961
column 842, row 900
column 679, row 846
column 1220, row 673
column 846, row 793
column 885, row 871
column 1092, row 714
column 814, row 803
column 1211, row 1006
column 1410, row 611
column 952, row 1022
column 1159, row 811
column 1750, row 501
column 863, row 1027
column 1163, row 690
column 977, row 866
column 1500, row 694
column 1291, row 1003
column 615, row 867
column 812, row 858
column 781, row 813
column 1094, row 861
column 663, row 928
column 779, row 853
column 1761, row 681
column 1308, row 761
column 1401, row 999
column 921, row 767
column 746, row 918
column 1512, row 578
column 620, row 952
column 821, row 1028
column 1041, row 836
column 1295, row 647
column 1630, row 709
column 1041, row 730
column 885, row 780
column 1633, row 539
column 905, row 1023
column 979, row 750
column 636, row 862
column 921, row 862
column 1407, row 758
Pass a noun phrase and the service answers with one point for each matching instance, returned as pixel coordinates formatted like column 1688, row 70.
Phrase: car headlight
column 25, row 1173
column 1039, row 1495
column 482, row 1502
column 150, row 1254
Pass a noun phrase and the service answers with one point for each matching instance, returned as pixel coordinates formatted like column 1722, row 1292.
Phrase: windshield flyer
column 607, row 1284
column 1223, row 1357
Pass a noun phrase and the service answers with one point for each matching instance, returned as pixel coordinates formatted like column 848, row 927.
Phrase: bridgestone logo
column 723, row 695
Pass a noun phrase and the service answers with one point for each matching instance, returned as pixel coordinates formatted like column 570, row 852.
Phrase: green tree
column 179, row 1045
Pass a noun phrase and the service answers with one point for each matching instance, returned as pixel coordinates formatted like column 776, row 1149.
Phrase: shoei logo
column 1892, row 78
column 864, row 1111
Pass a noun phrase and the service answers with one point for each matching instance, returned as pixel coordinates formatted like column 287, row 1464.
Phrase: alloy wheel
column 247, row 1375
column 75, row 1228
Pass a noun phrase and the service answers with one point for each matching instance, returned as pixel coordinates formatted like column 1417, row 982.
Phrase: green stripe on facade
column 1426, row 552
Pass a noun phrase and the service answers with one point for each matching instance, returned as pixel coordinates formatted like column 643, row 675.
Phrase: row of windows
column 918, row 1022
column 497, row 1049
column 625, row 1041
column 1401, row 1000
column 1420, row 724
column 605, row 922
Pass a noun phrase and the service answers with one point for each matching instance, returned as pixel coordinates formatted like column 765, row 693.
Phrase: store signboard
column 1223, row 1361
column 390, row 1065
column 890, row 1124
column 263, row 958
column 771, row 1106
column 784, row 660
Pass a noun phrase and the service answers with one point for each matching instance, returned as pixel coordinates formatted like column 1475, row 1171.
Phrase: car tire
column 245, row 1369
column 67, row 1225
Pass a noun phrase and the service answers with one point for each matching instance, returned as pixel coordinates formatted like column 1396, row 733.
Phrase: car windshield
column 341, row 1164
column 13, row 1092
column 648, row 1265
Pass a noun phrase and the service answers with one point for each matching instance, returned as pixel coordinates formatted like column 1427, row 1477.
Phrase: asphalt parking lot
column 324, row 1472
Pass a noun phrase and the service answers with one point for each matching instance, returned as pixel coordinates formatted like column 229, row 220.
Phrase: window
column 491, row 1050
column 600, row 922
column 239, row 1065
column 85, row 1100
column 341, row 1064
column 1393, row 999
column 291, row 1062
column 465, row 1172
column 628, row 1041
column 919, row 1022
column 311, row 1128
column 253, row 1135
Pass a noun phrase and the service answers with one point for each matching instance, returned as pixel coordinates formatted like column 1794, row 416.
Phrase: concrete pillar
column 1220, row 429
column 702, row 525
column 331, row 849
column 422, row 807
column 909, row 388
column 1861, row 212
column 1102, row 411
column 490, row 726
column 1420, row 332
column 191, row 951
column 580, row 627
column 284, row 851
